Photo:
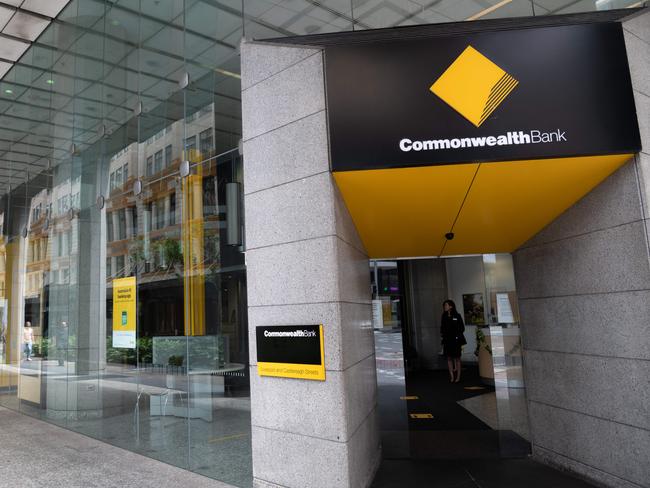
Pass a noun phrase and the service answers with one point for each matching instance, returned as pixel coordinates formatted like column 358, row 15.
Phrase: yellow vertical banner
column 193, row 256
column 124, row 310
column 9, row 326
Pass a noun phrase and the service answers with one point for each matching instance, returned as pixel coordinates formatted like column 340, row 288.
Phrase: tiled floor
column 475, row 437
column 499, row 473
column 490, row 409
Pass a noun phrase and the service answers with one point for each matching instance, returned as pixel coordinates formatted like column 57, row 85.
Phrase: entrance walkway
column 487, row 473
column 441, row 435
column 41, row 455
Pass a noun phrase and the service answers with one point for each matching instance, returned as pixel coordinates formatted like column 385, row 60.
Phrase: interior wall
column 428, row 290
column 584, row 289
column 465, row 276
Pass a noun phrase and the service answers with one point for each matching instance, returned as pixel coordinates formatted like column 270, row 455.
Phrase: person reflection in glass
column 28, row 340
column 62, row 341
column 451, row 331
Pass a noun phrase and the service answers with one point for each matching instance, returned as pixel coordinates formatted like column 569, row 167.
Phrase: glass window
column 149, row 217
column 139, row 51
column 121, row 224
column 134, row 214
column 109, row 227
column 119, row 260
column 168, row 155
column 59, row 244
column 160, row 213
column 190, row 143
column 62, row 204
column 172, row 209
column 158, row 163
column 205, row 141
column 68, row 242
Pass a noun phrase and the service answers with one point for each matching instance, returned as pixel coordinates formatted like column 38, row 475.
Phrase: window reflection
column 184, row 383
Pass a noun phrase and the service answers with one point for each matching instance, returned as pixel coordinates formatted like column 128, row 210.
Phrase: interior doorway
column 422, row 414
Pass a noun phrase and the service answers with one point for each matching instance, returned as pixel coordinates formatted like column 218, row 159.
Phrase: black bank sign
column 291, row 351
column 491, row 96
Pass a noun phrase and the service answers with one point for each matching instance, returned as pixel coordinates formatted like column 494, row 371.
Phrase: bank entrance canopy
column 460, row 139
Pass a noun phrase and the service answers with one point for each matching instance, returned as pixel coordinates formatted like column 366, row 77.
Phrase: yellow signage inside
column 124, row 318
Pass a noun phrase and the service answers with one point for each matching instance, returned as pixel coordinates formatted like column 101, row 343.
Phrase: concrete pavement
column 34, row 453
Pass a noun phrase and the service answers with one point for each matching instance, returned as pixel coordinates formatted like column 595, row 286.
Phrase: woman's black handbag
column 461, row 340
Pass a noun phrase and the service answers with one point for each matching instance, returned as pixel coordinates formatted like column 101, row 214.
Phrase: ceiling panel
column 25, row 26
column 492, row 222
column 12, row 49
column 397, row 212
column 50, row 8
column 406, row 212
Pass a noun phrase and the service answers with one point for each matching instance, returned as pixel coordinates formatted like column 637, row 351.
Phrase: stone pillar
column 584, row 289
column 305, row 265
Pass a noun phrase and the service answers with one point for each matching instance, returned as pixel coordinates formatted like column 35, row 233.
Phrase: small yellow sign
column 409, row 398
column 124, row 310
column 301, row 371
column 421, row 416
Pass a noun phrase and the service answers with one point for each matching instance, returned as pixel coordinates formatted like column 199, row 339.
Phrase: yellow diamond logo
column 474, row 86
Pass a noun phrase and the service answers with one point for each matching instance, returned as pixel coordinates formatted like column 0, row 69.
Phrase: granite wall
column 584, row 288
column 305, row 265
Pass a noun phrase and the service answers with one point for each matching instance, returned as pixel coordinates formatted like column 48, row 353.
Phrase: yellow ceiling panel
column 405, row 212
column 510, row 202
column 491, row 207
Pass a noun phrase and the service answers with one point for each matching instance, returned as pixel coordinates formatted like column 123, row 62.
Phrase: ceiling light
column 228, row 73
column 8, row 91
column 489, row 10
column 49, row 81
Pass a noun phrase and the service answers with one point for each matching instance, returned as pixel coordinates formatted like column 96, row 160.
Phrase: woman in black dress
column 451, row 331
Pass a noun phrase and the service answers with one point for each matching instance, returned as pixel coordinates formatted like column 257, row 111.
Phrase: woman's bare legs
column 457, row 367
column 450, row 365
